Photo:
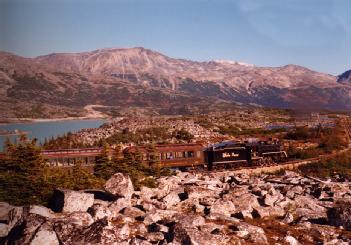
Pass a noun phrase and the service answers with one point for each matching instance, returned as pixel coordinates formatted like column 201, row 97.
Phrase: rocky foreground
column 216, row 208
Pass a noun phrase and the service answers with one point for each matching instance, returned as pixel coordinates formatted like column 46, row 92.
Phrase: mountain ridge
column 140, row 77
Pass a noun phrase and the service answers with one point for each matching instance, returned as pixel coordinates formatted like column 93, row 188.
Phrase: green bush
column 338, row 165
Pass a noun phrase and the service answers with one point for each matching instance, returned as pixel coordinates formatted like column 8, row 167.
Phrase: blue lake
column 42, row 130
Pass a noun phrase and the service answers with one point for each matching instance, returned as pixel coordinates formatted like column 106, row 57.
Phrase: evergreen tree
column 23, row 173
column 103, row 167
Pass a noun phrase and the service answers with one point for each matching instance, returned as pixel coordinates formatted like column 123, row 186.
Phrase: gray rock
column 251, row 233
column 10, row 215
column 269, row 200
column 154, row 236
column 274, row 212
column 120, row 185
column 100, row 232
column 291, row 240
column 147, row 193
column 71, row 201
column 224, row 207
column 191, row 220
column 188, row 235
column 45, row 236
column 157, row 215
column 118, row 205
column 99, row 211
column 27, row 228
column 340, row 214
column 288, row 218
column 42, row 211
column 80, row 218
column 199, row 192
column 244, row 204
column 4, row 229
column 172, row 198
column 133, row 212
column 4, row 211
column 166, row 185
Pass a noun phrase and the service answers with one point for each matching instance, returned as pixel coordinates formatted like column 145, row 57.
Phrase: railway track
column 269, row 167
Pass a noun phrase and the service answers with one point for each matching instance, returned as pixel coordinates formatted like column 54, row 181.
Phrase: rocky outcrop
column 215, row 208
column 120, row 185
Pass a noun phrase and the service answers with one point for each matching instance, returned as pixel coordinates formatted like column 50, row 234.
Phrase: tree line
column 26, row 178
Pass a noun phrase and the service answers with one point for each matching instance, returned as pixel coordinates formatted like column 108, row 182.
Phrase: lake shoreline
column 38, row 120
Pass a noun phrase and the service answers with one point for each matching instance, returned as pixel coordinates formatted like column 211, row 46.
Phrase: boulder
column 191, row 220
column 250, row 233
column 288, row 218
column 9, row 217
column 157, row 215
column 340, row 214
column 100, row 232
column 245, row 201
column 154, row 236
column 99, row 211
column 42, row 211
column 269, row 200
column 308, row 208
column 5, row 209
column 166, row 185
column 80, row 218
column 291, row 240
column 198, row 192
column 191, row 235
column 147, row 193
column 133, row 212
column 117, row 206
column 226, row 208
column 120, row 185
column 25, row 230
column 261, row 212
column 172, row 198
column 45, row 236
column 71, row 201
column 189, row 205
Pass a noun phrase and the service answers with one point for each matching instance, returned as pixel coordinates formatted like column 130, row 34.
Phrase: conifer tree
column 103, row 167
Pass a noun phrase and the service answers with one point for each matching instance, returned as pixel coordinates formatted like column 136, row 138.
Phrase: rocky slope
column 144, row 78
column 216, row 208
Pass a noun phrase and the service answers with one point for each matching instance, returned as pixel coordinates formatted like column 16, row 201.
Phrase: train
column 224, row 155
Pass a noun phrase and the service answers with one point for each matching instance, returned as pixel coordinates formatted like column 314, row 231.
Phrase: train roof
column 227, row 144
column 166, row 147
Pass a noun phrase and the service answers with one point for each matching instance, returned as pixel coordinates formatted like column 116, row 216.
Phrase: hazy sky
column 311, row 33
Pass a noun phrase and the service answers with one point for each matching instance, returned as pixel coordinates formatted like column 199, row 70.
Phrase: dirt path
column 92, row 113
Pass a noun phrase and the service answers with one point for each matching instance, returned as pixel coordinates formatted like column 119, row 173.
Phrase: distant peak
column 233, row 62
column 345, row 77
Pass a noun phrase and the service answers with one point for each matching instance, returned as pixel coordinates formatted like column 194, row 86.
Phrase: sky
column 311, row 33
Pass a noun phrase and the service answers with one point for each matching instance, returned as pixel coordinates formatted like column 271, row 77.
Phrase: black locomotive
column 233, row 155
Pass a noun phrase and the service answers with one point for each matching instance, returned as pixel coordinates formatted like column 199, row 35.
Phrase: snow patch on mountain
column 233, row 62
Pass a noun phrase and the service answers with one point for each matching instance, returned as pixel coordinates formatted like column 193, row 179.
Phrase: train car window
column 190, row 154
column 179, row 155
column 198, row 154
column 169, row 155
column 154, row 156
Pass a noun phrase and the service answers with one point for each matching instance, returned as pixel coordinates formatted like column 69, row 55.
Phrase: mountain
column 120, row 79
column 345, row 78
